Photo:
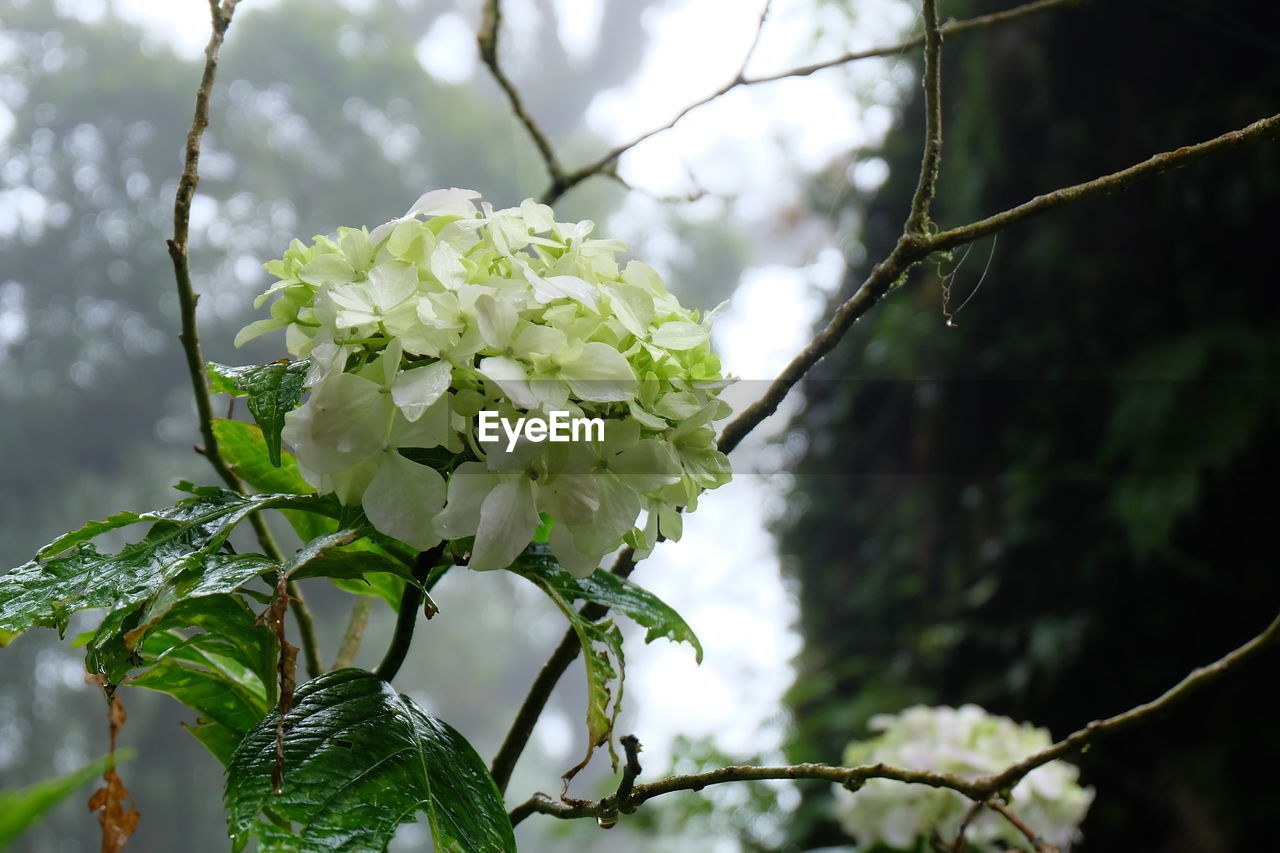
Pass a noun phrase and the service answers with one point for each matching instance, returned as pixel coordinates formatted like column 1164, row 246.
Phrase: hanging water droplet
column 607, row 822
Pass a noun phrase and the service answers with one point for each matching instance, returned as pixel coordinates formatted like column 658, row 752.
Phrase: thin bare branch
column 220, row 14
column 1038, row 844
column 913, row 248
column 354, row 632
column 487, row 38
column 1262, row 129
column 851, row 777
column 1195, row 681
column 958, row 845
column 980, row 790
column 755, row 40
column 931, row 160
column 600, row 165
column 951, row 27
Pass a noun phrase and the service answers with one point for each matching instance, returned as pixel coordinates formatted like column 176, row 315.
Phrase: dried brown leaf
column 117, row 813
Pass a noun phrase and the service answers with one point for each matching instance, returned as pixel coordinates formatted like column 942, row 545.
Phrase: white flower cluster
column 969, row 742
column 414, row 328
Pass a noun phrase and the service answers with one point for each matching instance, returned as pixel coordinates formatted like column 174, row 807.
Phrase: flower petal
column 468, row 487
column 403, row 500
column 450, row 202
column 414, row 390
column 600, row 374
column 509, row 375
column 507, row 522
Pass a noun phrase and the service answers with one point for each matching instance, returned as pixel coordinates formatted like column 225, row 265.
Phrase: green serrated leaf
column 387, row 587
column 359, row 760
column 602, row 641
column 352, row 565
column 617, row 593
column 224, row 379
column 245, row 450
column 178, row 548
column 227, row 674
column 20, row 809
column 273, row 390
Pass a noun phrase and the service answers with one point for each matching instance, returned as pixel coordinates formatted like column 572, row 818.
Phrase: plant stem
column 355, row 632
column 407, row 617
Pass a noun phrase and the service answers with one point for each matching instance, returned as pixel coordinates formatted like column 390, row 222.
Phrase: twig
column 1261, row 129
column 220, row 14
column 695, row 194
column 407, row 618
column 913, row 248
column 354, row 633
column 504, row 762
column 632, row 769
column 1037, row 843
column 980, row 790
column 951, row 27
column 607, row 809
column 849, row 776
column 958, row 845
column 569, row 180
column 306, row 631
column 927, row 183
column 1099, row 729
column 487, row 38
column 220, row 20
column 755, row 41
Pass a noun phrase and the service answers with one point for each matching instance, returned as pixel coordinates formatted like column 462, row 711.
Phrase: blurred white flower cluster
column 414, row 328
column 969, row 742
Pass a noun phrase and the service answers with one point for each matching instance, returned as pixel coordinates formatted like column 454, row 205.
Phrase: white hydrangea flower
column 415, row 327
column 969, row 742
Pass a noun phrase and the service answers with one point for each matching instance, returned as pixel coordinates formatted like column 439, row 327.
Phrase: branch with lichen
column 988, row 790
column 914, row 247
column 931, row 160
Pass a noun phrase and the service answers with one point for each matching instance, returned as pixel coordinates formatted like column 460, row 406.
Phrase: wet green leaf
column 359, row 761
column 602, row 641
column 245, row 450
column 226, row 674
column 617, row 593
column 273, row 390
column 179, row 557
